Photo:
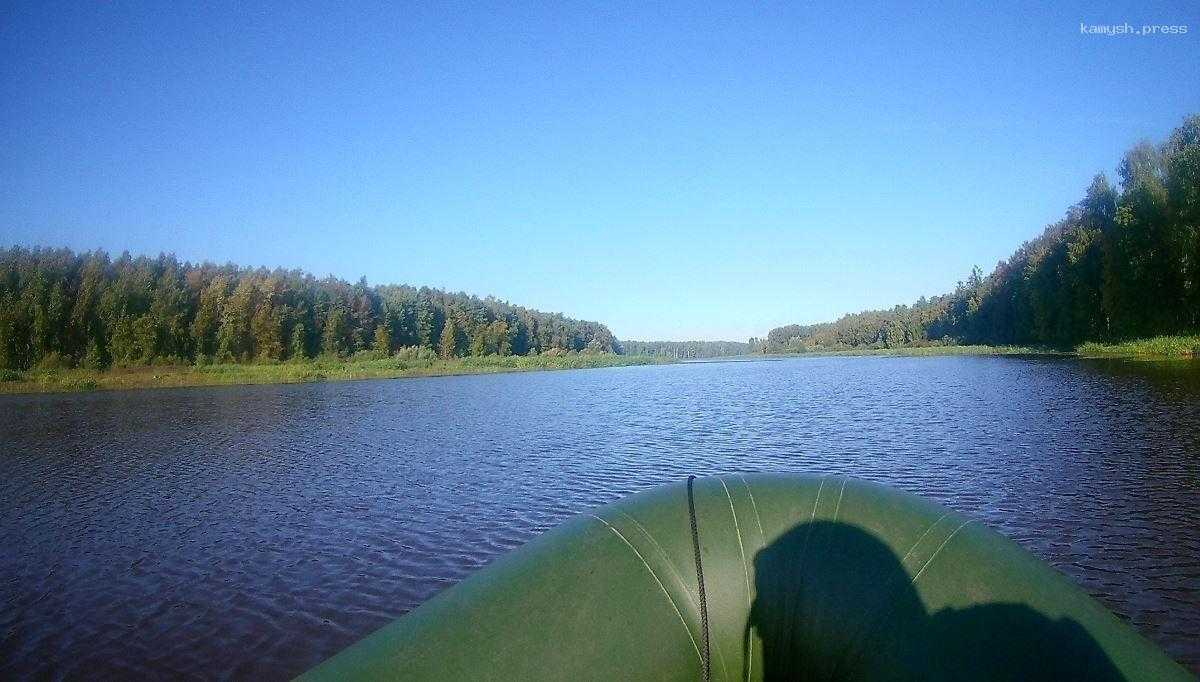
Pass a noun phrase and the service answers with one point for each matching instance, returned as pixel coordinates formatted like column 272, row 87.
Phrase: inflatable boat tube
column 804, row 578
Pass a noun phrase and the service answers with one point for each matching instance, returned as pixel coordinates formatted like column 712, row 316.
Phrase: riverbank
column 321, row 369
column 325, row 369
column 1158, row 347
column 920, row 351
column 1155, row 348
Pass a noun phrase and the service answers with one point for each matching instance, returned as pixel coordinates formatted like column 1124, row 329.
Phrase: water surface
column 254, row 531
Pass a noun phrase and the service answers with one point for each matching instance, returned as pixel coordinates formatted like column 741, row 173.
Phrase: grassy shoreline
column 1155, row 348
column 924, row 351
column 324, row 369
column 179, row 376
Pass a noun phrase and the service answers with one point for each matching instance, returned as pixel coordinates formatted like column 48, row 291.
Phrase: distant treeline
column 687, row 349
column 1121, row 264
column 59, row 308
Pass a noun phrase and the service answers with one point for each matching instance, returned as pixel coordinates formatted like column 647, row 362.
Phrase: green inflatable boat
column 792, row 577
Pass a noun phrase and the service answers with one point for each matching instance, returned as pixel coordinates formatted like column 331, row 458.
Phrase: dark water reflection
column 254, row 531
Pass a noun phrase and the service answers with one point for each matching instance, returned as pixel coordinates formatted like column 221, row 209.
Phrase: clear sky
column 675, row 172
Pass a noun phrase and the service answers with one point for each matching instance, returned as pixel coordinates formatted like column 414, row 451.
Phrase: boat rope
column 706, row 661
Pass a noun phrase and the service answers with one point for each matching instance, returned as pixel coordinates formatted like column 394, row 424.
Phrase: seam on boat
column 939, row 550
column 841, row 492
column 811, row 521
column 758, row 519
column 745, row 567
column 691, row 595
column 889, row 605
column 918, row 542
column 762, row 545
column 737, row 529
column 666, row 558
column 815, row 503
column 808, row 529
column 662, row 587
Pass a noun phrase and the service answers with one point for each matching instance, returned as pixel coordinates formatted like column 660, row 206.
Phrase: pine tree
column 448, row 347
column 299, row 344
column 235, row 340
column 383, row 339
column 333, row 340
column 208, row 316
column 267, row 330
column 479, row 345
column 425, row 323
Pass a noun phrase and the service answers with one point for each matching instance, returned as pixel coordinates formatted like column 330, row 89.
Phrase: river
column 254, row 531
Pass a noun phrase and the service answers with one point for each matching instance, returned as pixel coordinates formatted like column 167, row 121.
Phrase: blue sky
column 676, row 172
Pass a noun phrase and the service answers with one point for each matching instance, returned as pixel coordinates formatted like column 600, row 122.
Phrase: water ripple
column 253, row 531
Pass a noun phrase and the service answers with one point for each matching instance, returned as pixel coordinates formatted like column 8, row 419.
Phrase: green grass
column 331, row 369
column 320, row 369
column 922, row 351
column 1158, row 347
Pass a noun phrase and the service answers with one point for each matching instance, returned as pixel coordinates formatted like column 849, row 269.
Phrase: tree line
column 682, row 350
column 1122, row 263
column 63, row 309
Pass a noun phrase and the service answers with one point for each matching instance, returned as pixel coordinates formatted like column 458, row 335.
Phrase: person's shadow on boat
column 833, row 602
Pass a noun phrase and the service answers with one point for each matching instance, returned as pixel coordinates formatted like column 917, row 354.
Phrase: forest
column 60, row 309
column 686, row 350
column 1123, row 263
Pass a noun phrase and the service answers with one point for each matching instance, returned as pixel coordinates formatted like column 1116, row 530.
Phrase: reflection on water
column 256, row 530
